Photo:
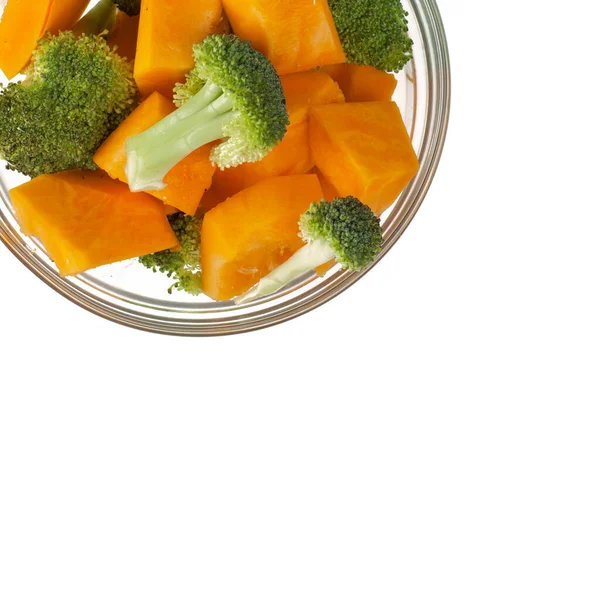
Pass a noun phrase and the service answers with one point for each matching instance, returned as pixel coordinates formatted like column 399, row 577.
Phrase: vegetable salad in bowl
column 215, row 166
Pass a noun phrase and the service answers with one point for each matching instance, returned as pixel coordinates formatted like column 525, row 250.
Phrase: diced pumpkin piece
column 188, row 181
column 185, row 183
column 363, row 149
column 361, row 83
column 248, row 235
column 63, row 15
column 292, row 155
column 168, row 30
column 310, row 88
column 124, row 35
column 296, row 35
column 21, row 27
column 85, row 220
column 24, row 23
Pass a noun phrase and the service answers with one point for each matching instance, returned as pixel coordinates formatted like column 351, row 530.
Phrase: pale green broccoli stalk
column 75, row 93
column 345, row 230
column 102, row 16
column 373, row 32
column 232, row 93
column 100, row 19
column 184, row 265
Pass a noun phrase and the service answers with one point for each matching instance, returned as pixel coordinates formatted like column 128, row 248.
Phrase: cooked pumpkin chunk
column 362, row 149
column 124, row 34
column 22, row 24
column 185, row 183
column 296, row 35
column 361, row 83
column 168, row 30
column 251, row 233
column 310, row 88
column 85, row 220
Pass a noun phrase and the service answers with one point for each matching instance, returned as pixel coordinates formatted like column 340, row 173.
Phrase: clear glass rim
column 228, row 319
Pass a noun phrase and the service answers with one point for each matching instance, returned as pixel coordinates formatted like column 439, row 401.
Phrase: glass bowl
column 129, row 294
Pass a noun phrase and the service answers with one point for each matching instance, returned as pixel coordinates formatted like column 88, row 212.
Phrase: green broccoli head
column 82, row 72
column 250, row 82
column 348, row 227
column 232, row 93
column 75, row 93
column 345, row 230
column 373, row 32
column 130, row 7
column 183, row 265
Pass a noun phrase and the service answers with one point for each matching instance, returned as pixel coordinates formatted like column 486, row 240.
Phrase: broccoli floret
column 232, row 93
column 373, row 32
column 345, row 230
column 76, row 92
column 129, row 7
column 348, row 227
column 183, row 265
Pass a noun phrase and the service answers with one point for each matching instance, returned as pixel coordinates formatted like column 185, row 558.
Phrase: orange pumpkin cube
column 296, row 35
column 185, row 183
column 361, row 83
column 362, row 149
column 124, row 35
column 168, row 30
column 248, row 235
column 85, row 220
column 63, row 15
column 307, row 89
column 23, row 24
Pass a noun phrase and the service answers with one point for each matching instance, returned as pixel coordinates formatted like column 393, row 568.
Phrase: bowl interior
column 131, row 295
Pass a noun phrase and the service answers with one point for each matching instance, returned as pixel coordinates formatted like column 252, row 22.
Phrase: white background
column 433, row 433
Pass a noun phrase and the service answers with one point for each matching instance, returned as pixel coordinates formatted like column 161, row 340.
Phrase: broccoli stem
column 208, row 94
column 153, row 153
column 98, row 20
column 309, row 257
